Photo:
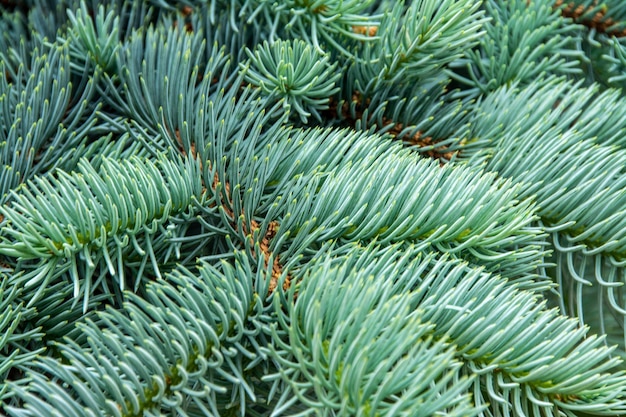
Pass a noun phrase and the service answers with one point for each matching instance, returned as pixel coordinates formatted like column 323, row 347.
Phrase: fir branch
column 398, row 84
column 94, row 41
column 219, row 24
column 534, row 372
column 591, row 171
column 187, row 357
column 355, row 346
column 18, row 346
column 159, row 69
column 464, row 306
column 412, row 41
column 425, row 118
column 577, row 182
column 295, row 73
column 524, row 40
column 178, row 98
column 616, row 60
column 42, row 124
column 394, row 198
column 318, row 22
column 36, row 328
column 93, row 220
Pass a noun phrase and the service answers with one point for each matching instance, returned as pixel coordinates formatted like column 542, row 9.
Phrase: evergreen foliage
column 330, row 208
